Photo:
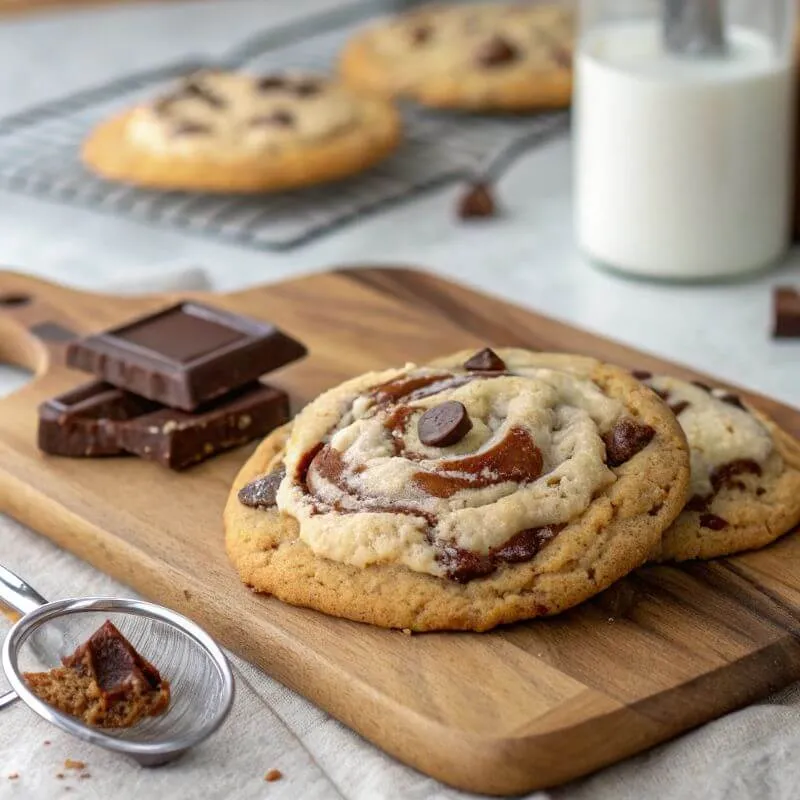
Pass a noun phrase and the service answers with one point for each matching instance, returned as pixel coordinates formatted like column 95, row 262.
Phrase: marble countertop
column 528, row 255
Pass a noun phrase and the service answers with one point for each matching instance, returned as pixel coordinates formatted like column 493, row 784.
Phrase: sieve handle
column 8, row 698
column 17, row 594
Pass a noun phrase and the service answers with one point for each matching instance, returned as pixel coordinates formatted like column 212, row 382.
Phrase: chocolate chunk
column 444, row 425
column 524, row 545
column 724, row 476
column 307, row 88
column 83, row 421
column 179, row 439
column 263, row 491
column 625, row 440
column 761, row 491
column 786, row 311
column 713, row 522
column 185, row 355
column 477, row 202
column 463, row 566
column 642, row 374
column 732, row 400
column 495, row 52
column 676, row 408
column 662, row 393
column 189, row 128
column 271, row 82
column 485, row 360
column 277, row 119
column 698, row 503
column 704, row 386
column 196, row 90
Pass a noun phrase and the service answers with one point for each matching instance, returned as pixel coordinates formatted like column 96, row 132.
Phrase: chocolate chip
column 704, row 386
column 732, row 400
column 444, row 425
column 524, row 545
column 307, row 88
column 662, row 393
column 676, row 408
column 786, row 311
column 698, row 503
column 485, row 360
column 625, row 440
column 713, row 522
column 477, row 202
column 653, row 512
column 642, row 374
column 189, row 128
column 724, row 475
column 262, row 492
column 496, row 52
column 761, row 491
column 421, row 34
column 271, row 82
column 278, row 119
column 192, row 88
column 463, row 566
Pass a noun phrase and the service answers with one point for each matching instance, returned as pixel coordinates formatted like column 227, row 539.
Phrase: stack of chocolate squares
column 175, row 387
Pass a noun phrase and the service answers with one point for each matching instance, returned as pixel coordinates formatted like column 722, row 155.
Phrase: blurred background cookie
column 478, row 57
column 225, row 131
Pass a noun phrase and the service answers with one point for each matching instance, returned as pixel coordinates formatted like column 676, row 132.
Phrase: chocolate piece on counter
column 485, row 360
column 495, row 52
column 185, row 355
column 786, row 311
column 444, row 425
column 82, row 422
column 477, row 202
column 263, row 491
column 625, row 440
column 178, row 439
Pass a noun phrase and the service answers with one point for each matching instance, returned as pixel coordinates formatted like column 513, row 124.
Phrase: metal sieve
column 199, row 674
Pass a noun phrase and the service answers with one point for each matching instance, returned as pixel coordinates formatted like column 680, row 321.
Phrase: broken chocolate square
column 786, row 310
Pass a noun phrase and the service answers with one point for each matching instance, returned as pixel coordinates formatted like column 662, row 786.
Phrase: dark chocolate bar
column 82, row 422
column 185, row 355
column 178, row 439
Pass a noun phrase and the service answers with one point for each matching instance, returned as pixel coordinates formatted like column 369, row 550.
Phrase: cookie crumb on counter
column 477, row 202
column 14, row 776
column 47, row 743
column 70, row 764
column 273, row 775
column 60, row 776
column 84, row 776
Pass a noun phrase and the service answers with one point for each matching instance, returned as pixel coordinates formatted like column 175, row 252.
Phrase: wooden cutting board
column 528, row 706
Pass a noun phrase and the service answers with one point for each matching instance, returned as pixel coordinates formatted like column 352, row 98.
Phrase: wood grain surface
column 18, row 7
column 523, row 707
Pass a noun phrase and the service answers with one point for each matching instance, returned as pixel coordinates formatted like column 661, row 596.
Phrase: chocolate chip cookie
column 745, row 478
column 478, row 57
column 232, row 132
column 477, row 490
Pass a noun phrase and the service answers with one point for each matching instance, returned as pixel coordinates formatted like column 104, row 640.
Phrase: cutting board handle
column 39, row 318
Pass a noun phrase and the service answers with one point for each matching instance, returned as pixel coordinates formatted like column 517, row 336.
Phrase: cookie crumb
column 273, row 775
column 14, row 776
column 84, row 776
column 477, row 202
column 60, row 776
column 47, row 743
column 187, row 594
column 407, row 631
column 70, row 764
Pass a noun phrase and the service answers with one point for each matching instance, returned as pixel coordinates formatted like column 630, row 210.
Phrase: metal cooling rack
column 39, row 149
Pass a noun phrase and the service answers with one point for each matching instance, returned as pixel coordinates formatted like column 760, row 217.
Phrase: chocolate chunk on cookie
column 625, row 440
column 485, row 360
column 263, row 491
column 444, row 425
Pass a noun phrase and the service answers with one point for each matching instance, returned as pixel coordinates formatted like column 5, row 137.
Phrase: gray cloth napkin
column 754, row 753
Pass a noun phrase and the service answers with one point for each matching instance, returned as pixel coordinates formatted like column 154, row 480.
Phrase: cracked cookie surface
column 394, row 510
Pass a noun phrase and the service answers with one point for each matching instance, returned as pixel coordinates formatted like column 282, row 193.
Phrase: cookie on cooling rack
column 478, row 57
column 231, row 132
column 745, row 474
column 478, row 490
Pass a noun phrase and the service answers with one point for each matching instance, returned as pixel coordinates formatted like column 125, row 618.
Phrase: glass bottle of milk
column 683, row 161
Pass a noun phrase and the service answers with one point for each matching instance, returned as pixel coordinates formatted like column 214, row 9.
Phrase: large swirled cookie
column 745, row 474
column 477, row 490
column 222, row 131
column 507, row 56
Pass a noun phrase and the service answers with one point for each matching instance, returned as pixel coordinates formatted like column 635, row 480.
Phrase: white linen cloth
column 753, row 753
